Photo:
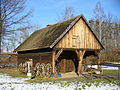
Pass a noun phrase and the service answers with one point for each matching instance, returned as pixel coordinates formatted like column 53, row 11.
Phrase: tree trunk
column 0, row 27
column 0, row 42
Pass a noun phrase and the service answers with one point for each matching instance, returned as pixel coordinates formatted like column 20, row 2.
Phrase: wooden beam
column 53, row 62
column 80, row 54
column 58, row 54
column 54, row 58
column 98, row 55
column 77, row 53
column 64, row 65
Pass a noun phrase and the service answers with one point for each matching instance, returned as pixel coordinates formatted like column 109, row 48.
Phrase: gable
column 79, row 37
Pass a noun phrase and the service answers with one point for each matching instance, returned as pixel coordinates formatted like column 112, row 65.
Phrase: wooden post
column 64, row 65
column 53, row 62
column 55, row 57
column 98, row 66
column 80, row 54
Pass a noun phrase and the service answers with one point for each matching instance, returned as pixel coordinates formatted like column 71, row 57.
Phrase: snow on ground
column 105, row 67
column 10, row 83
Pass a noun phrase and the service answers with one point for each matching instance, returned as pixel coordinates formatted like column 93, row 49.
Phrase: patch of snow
column 10, row 83
column 104, row 67
column 8, row 79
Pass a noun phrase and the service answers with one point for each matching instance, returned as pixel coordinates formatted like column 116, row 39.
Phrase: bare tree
column 11, row 16
column 100, row 17
column 106, row 26
column 66, row 14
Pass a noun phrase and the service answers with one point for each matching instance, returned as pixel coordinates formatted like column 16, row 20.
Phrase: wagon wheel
column 37, row 68
column 42, row 69
column 25, row 68
column 84, row 67
column 20, row 66
column 48, row 69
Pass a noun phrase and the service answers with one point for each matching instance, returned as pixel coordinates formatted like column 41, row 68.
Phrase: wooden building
column 64, row 44
column 8, row 60
column 6, row 57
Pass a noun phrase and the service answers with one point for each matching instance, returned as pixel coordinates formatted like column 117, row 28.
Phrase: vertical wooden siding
column 79, row 37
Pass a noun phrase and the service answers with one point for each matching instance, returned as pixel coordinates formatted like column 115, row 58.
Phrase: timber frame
column 80, row 54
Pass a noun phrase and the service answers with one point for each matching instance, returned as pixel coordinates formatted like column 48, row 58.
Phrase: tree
column 99, row 16
column 11, row 17
column 106, row 26
column 66, row 14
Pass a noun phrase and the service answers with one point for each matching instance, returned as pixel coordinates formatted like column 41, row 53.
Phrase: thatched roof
column 48, row 37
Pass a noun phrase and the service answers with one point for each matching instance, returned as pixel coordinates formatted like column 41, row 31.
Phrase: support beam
column 80, row 54
column 58, row 54
column 54, row 58
column 64, row 65
column 98, row 55
column 53, row 62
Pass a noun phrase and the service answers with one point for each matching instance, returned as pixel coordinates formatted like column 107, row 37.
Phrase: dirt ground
column 72, row 76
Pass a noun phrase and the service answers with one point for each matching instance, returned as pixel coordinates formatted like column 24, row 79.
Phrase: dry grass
column 14, row 72
column 110, row 72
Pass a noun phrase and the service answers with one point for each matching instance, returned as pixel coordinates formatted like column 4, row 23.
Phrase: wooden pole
column 53, row 62
column 98, row 66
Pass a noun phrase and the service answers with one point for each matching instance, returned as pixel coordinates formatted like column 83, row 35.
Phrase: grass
column 78, row 84
column 55, row 80
column 99, row 80
column 110, row 72
column 40, row 79
column 14, row 72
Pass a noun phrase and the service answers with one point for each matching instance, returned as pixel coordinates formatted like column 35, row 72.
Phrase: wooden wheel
column 84, row 67
column 24, row 68
column 48, row 70
column 37, row 68
column 20, row 67
column 42, row 69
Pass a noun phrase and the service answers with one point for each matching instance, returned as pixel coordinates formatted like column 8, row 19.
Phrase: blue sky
column 46, row 11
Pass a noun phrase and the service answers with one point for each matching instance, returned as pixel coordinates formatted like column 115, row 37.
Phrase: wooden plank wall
column 79, row 37
column 36, row 57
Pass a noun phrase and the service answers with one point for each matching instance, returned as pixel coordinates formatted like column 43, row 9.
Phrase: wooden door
column 67, row 66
